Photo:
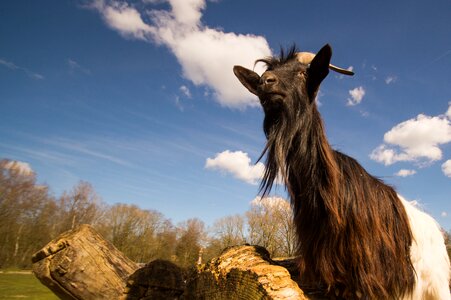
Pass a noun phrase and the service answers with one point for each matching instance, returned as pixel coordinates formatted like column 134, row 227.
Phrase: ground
column 23, row 285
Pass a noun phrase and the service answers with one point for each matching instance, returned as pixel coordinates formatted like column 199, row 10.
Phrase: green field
column 23, row 285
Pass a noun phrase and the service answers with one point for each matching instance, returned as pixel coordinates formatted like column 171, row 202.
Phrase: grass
column 23, row 285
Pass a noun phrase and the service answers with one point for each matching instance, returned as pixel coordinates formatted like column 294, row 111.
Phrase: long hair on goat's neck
column 349, row 223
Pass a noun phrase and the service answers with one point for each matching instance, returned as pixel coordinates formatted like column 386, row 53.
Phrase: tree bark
column 80, row 264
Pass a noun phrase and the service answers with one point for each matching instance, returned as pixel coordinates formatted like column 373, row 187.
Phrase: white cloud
column 238, row 164
column 206, row 55
column 75, row 66
column 13, row 66
column 187, row 12
column 356, row 96
column 271, row 202
column 8, row 64
column 446, row 168
column 185, row 90
column 364, row 113
column 417, row 140
column 448, row 112
column 88, row 149
column 390, row 79
column 22, row 168
column 124, row 19
column 405, row 173
column 444, row 214
column 317, row 99
column 179, row 104
column 387, row 156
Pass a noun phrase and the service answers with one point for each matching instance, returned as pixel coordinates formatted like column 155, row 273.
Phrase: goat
column 357, row 238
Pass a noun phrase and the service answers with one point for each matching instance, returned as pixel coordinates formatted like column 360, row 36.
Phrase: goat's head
column 290, row 83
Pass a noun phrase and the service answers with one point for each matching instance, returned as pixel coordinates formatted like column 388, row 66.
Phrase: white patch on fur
column 429, row 256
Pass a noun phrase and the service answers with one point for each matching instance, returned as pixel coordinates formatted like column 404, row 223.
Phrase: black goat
column 354, row 235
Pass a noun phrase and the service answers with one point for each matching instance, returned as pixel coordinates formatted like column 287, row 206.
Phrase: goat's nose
column 268, row 79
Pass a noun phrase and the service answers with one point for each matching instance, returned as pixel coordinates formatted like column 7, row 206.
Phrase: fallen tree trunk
column 80, row 264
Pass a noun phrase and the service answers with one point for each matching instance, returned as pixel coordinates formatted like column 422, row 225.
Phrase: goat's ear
column 248, row 78
column 318, row 70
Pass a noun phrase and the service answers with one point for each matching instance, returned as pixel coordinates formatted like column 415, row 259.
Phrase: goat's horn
column 307, row 57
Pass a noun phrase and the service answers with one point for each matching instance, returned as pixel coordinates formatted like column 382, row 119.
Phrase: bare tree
column 26, row 212
column 230, row 230
column 270, row 225
column 191, row 239
column 166, row 241
column 80, row 206
column 133, row 231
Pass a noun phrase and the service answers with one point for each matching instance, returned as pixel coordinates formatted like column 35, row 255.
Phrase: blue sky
column 139, row 99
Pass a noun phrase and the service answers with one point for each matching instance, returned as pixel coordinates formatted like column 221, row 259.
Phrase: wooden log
column 80, row 264
column 243, row 272
column 160, row 279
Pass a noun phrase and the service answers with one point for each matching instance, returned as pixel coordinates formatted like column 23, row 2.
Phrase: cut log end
column 80, row 264
column 243, row 272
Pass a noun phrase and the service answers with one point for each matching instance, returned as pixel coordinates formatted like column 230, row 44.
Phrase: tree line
column 30, row 217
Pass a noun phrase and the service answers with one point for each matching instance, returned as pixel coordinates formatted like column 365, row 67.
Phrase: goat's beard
column 282, row 126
